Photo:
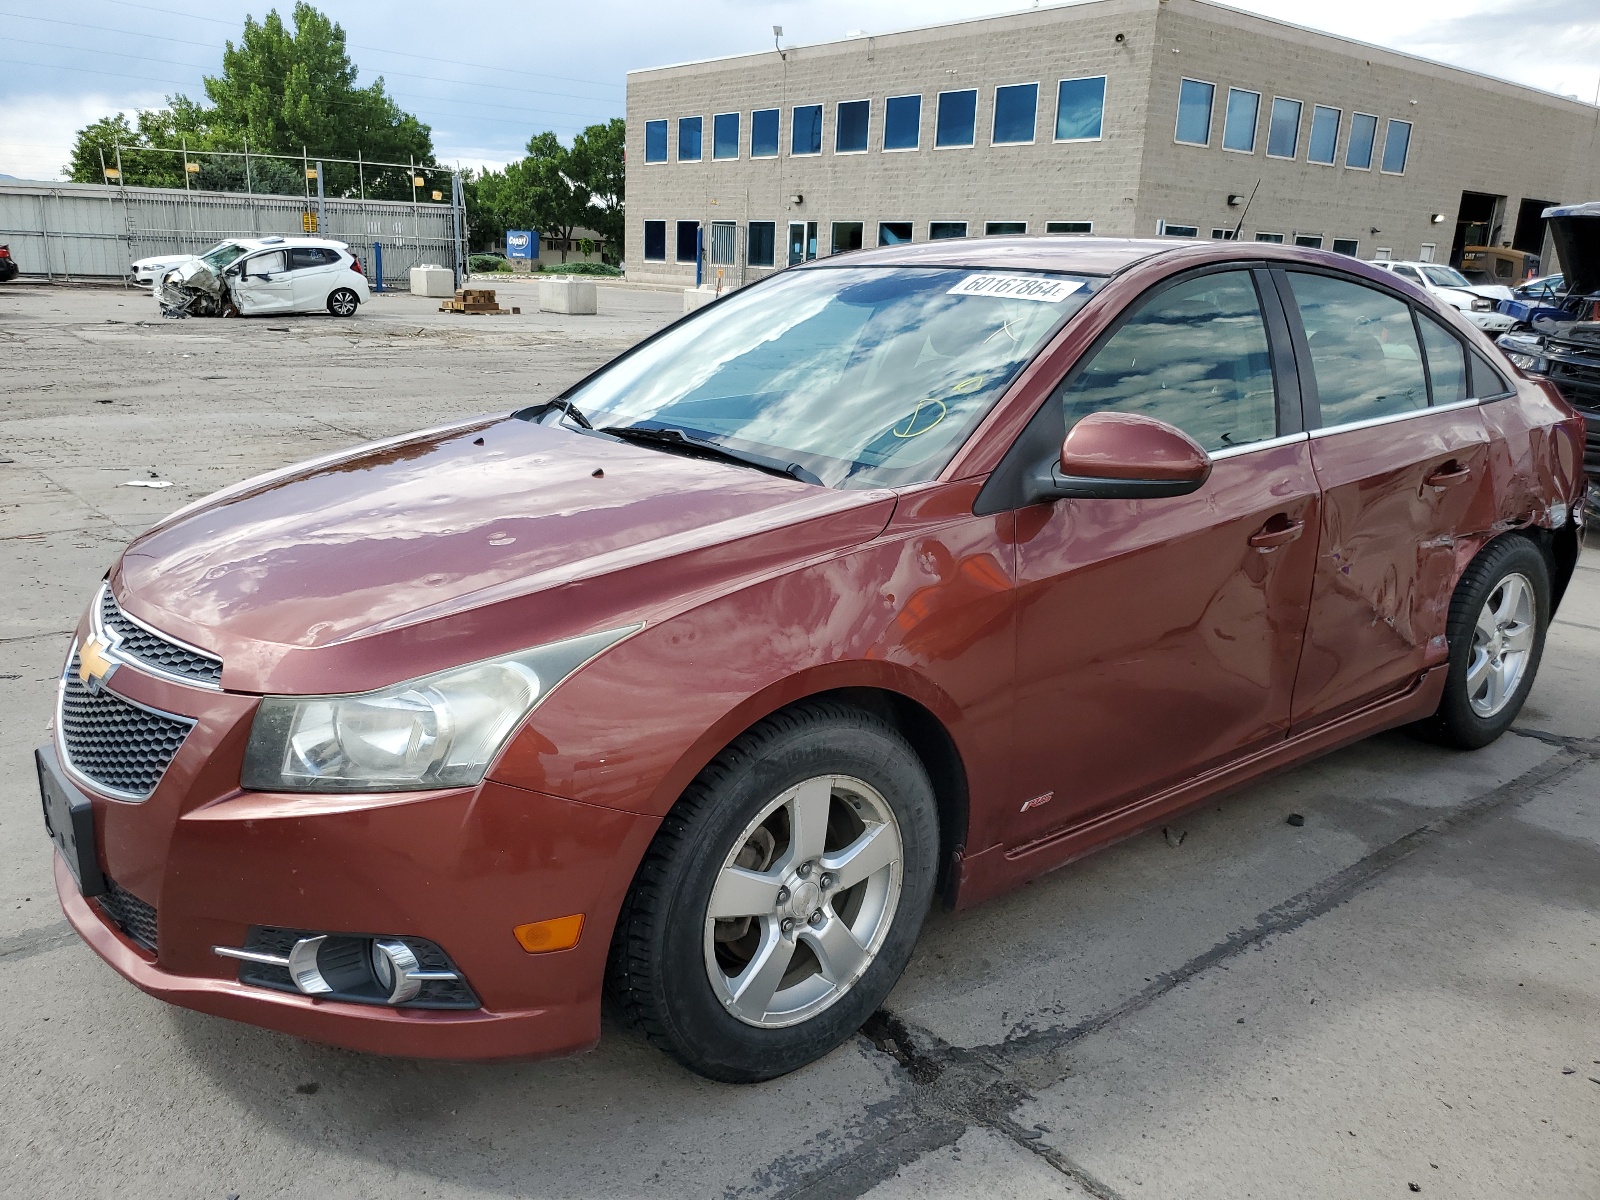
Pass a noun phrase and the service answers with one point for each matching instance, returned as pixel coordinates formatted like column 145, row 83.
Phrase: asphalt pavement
column 1400, row 995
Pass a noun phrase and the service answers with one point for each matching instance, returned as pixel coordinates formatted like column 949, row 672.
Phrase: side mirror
column 1123, row 456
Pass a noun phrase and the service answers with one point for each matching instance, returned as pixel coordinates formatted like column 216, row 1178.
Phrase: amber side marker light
column 558, row 933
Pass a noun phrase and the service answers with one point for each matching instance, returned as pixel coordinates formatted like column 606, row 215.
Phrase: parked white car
column 251, row 276
column 148, row 271
column 1476, row 302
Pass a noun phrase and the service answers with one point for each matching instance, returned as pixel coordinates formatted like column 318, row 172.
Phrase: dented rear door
column 1399, row 490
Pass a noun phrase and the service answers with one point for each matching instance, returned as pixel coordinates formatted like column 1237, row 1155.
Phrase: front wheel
column 782, row 896
column 342, row 302
column 1496, row 634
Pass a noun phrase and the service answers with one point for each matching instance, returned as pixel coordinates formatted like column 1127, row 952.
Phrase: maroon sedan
column 918, row 571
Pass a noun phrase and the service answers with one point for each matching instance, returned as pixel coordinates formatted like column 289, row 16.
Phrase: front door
column 265, row 284
column 1157, row 638
column 1402, row 455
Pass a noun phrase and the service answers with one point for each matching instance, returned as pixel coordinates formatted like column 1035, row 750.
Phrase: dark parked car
column 8, row 265
column 1563, row 344
column 909, row 573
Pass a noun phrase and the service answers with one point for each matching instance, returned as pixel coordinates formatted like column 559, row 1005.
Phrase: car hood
column 424, row 552
column 164, row 260
column 1575, row 229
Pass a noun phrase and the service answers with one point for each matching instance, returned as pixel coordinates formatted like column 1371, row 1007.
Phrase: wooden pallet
column 477, row 302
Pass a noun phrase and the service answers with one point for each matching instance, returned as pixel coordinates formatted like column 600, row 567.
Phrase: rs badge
column 95, row 664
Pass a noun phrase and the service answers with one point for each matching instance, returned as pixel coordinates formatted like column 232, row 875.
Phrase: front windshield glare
column 865, row 376
column 1445, row 277
column 219, row 257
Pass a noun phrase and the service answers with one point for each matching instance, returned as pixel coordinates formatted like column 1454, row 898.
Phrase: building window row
column 1241, row 119
column 803, row 241
column 1079, row 117
column 1314, row 241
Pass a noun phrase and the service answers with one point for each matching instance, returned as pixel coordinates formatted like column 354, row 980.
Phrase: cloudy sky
column 485, row 76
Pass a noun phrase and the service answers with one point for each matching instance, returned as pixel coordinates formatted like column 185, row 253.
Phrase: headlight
column 441, row 730
column 1482, row 304
column 1531, row 363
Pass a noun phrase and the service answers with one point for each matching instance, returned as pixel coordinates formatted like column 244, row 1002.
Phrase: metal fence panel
column 95, row 231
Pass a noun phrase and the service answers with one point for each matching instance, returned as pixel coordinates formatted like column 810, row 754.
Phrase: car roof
column 1074, row 253
column 273, row 239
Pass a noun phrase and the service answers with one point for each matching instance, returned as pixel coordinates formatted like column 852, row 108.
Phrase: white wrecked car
column 251, row 276
column 148, row 271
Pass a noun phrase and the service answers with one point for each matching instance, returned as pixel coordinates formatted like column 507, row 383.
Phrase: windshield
column 865, row 376
column 221, row 255
column 1445, row 277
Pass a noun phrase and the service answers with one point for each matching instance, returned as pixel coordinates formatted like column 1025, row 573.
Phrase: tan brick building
column 1117, row 117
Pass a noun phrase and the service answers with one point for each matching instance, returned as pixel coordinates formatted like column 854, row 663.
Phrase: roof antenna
column 1246, row 212
column 777, row 32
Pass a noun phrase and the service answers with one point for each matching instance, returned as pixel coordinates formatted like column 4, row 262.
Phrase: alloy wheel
column 1502, row 641
column 343, row 303
column 803, row 901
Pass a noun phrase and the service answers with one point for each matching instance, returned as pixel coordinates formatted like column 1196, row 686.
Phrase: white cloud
column 36, row 139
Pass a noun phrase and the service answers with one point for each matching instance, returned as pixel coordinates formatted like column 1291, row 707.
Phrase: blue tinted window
column 1396, row 142
column 1363, row 132
column 850, row 126
column 764, row 133
column 1194, row 112
column 655, row 141
column 1015, row 107
column 1080, row 108
column 1324, row 134
column 1239, row 125
column 806, row 136
column 655, row 239
column 1283, row 134
column 956, row 119
column 892, row 233
column 902, row 122
column 725, row 135
column 688, row 139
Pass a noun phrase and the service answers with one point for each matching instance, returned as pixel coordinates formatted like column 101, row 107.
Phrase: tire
column 342, row 302
column 692, row 983
column 1508, row 587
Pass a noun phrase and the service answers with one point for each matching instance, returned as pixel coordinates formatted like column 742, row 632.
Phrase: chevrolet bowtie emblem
column 95, row 664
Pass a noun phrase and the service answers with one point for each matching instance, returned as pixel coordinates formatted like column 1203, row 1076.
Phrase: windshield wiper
column 672, row 436
column 534, row 412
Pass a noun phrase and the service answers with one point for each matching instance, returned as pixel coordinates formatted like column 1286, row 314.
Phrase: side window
column 302, row 257
column 1486, row 380
column 1196, row 357
column 1364, row 352
column 1407, row 273
column 1447, row 361
column 266, row 264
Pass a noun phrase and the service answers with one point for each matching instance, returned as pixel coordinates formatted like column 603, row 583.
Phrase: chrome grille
column 130, row 914
column 113, row 743
column 162, row 654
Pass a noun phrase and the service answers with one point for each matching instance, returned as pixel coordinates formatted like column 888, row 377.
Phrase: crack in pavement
column 18, row 946
column 955, row 1088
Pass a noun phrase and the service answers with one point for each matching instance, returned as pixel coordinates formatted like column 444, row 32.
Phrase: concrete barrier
column 699, row 297
column 568, row 294
column 429, row 280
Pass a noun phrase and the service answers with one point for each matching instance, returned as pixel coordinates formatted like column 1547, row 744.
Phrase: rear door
column 264, row 284
column 313, row 269
column 1159, row 638
column 1402, row 456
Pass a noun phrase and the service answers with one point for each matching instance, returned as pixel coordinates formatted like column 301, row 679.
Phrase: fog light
column 558, row 933
column 396, row 969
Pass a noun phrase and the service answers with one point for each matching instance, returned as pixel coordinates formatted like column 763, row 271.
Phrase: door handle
column 1451, row 473
column 1278, row 531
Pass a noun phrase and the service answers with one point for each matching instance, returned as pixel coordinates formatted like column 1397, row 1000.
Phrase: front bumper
column 460, row 868
column 1490, row 322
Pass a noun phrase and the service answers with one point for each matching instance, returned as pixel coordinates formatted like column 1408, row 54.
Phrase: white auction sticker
column 1017, row 287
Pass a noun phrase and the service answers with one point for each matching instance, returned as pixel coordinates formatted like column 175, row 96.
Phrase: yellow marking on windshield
column 910, row 429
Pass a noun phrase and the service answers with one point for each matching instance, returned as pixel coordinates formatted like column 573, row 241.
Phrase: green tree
column 597, row 164
column 279, row 91
column 538, row 191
